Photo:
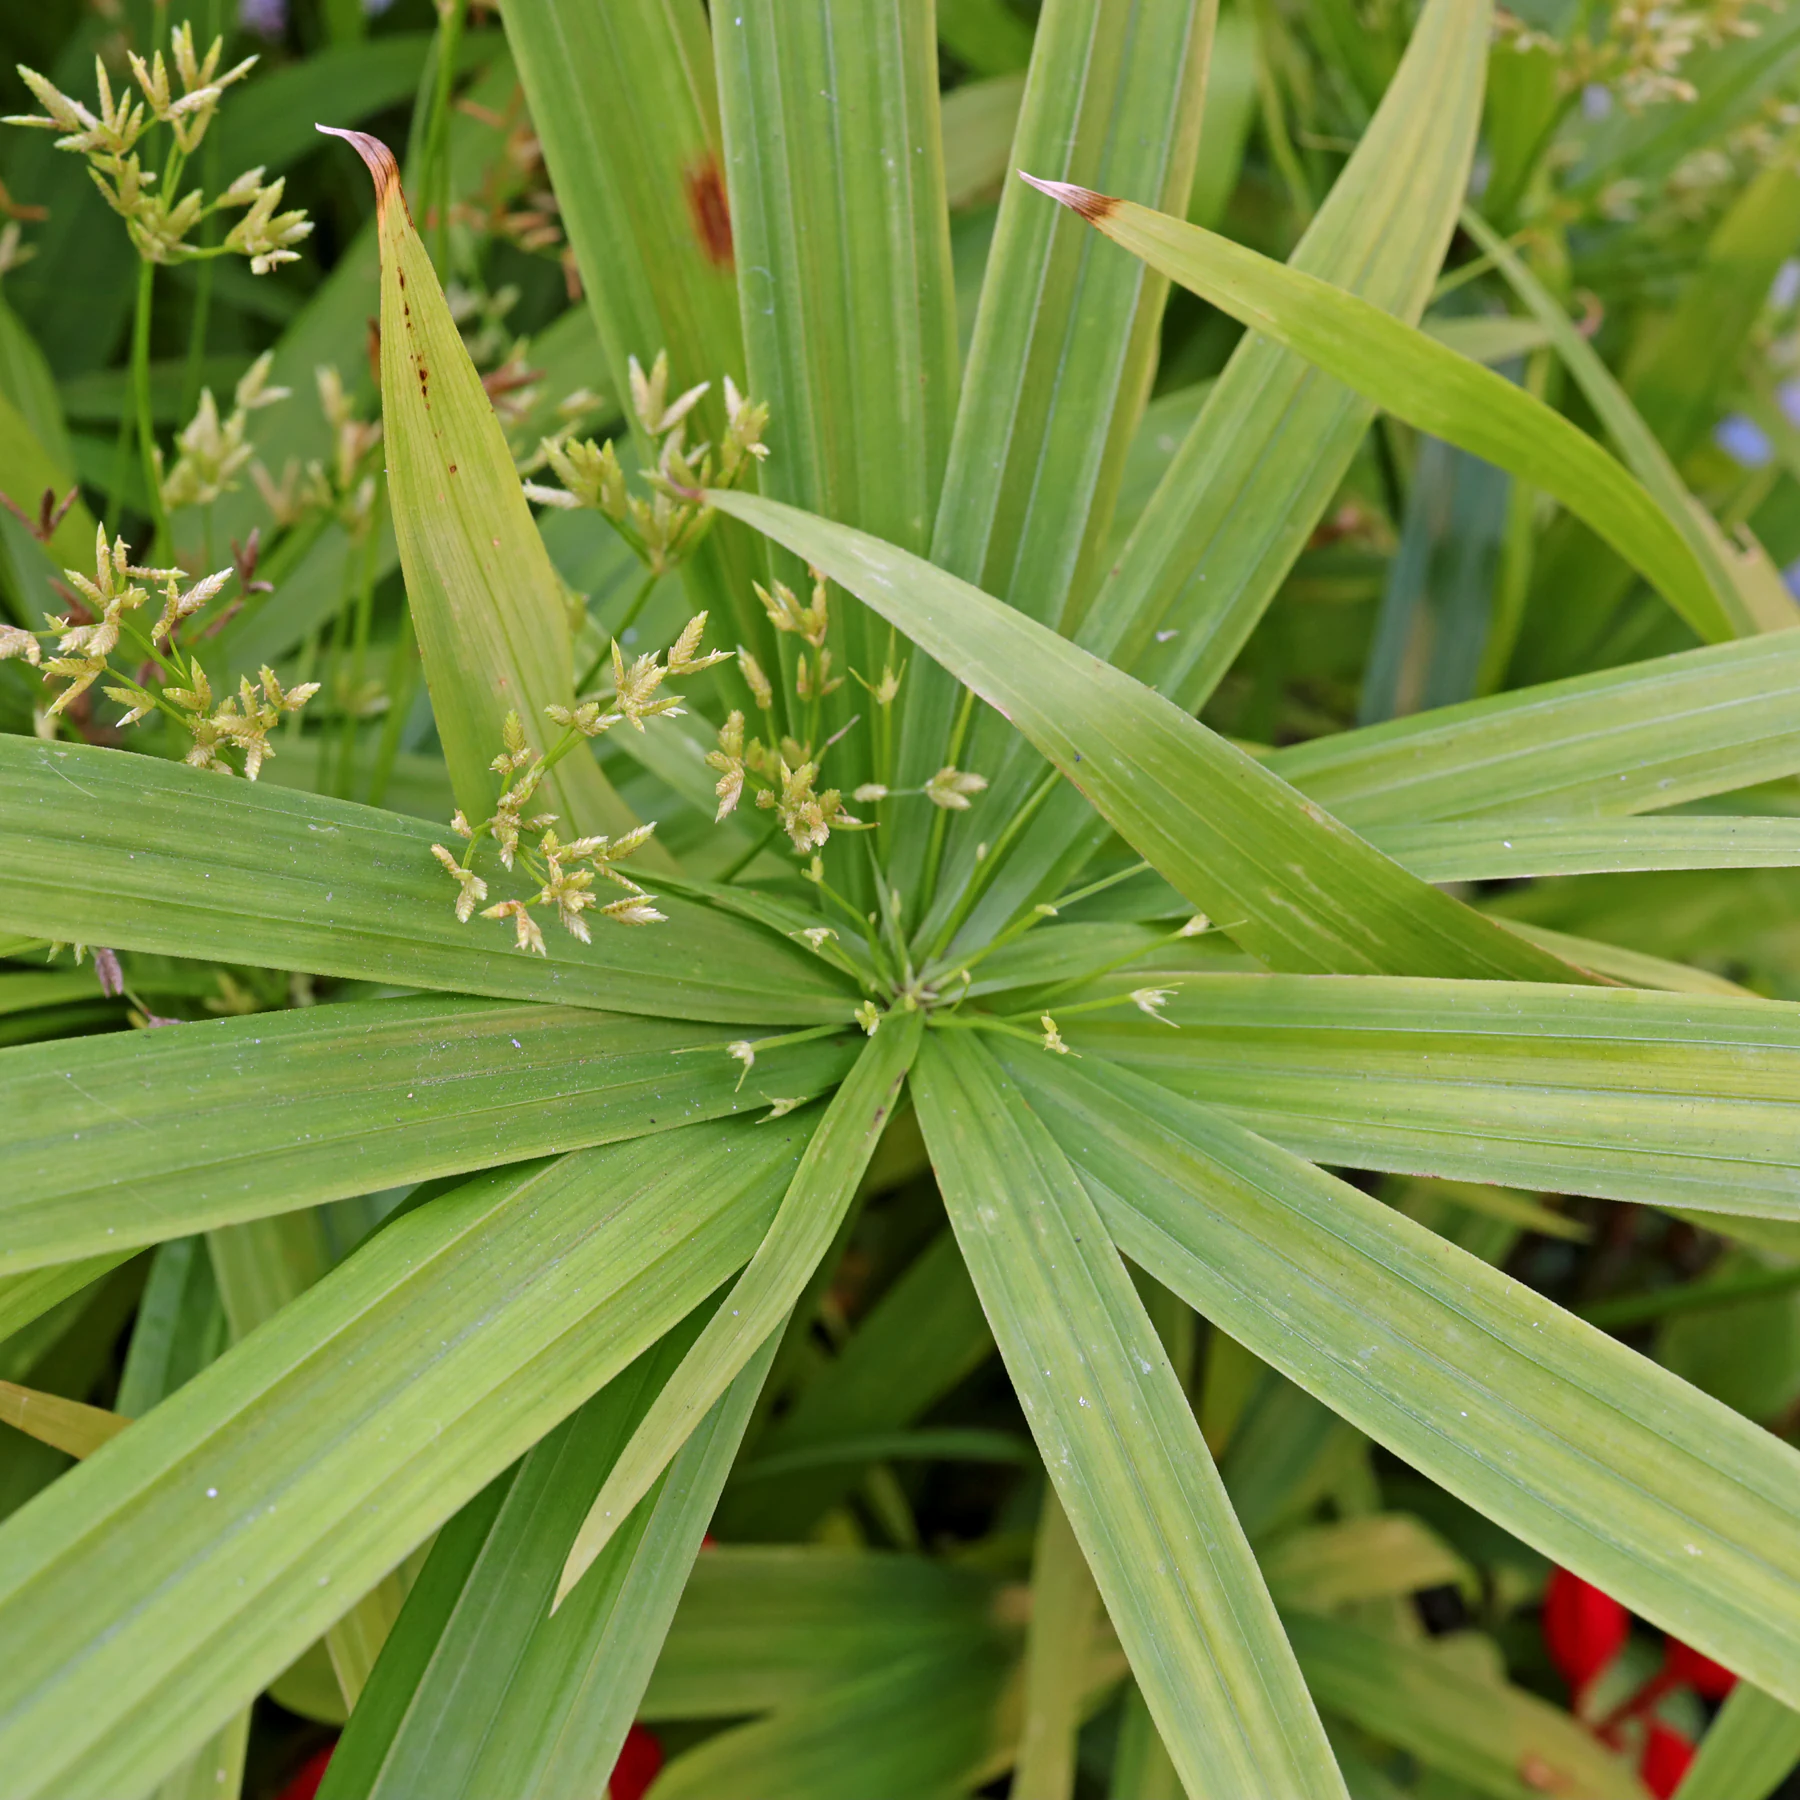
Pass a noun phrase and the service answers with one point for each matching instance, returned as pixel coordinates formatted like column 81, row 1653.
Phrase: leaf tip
column 1091, row 206
column 377, row 157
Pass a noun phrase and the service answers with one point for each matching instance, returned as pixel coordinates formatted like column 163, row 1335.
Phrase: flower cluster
column 565, row 872
column 346, row 487
column 213, row 453
column 783, row 772
column 1637, row 49
column 664, row 528
column 158, row 214
column 84, row 648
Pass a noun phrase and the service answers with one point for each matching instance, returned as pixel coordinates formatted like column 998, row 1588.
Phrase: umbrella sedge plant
column 853, row 1020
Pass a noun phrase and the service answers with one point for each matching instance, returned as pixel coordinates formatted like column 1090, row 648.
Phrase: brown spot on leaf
column 453, row 468
column 709, row 210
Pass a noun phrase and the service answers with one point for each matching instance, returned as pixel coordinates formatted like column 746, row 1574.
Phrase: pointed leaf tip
column 1092, row 207
column 378, row 158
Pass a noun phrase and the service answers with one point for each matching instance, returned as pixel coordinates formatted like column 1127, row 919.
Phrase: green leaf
column 624, row 100
column 481, row 1691
column 767, row 1291
column 926, row 1728
column 147, row 855
column 1474, row 1727
column 833, row 154
column 761, row 1627
column 1593, row 1455
column 924, row 1336
column 1421, row 381
column 1288, row 882
column 1255, row 471
column 1118, row 1439
column 1750, row 605
column 27, row 473
column 1322, row 1567
column 1627, row 740
column 492, row 625
column 30, row 1295
column 1064, row 345
column 979, row 120
column 1065, row 1613
column 1748, row 1751
column 69, row 1425
column 169, row 1577
column 123, row 1140
column 1262, row 462
column 1506, row 849
column 1671, row 1099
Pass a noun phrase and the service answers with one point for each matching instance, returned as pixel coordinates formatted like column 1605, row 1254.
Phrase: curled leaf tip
column 378, row 158
column 1092, row 207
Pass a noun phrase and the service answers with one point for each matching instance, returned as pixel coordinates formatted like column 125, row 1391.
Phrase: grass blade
column 492, row 624
column 1421, row 381
column 1119, row 1441
column 481, row 1691
column 1679, row 1100
column 1748, row 1751
column 766, row 1292
column 118, row 1141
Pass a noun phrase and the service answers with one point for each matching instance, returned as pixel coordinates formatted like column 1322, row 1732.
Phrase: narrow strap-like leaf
column 117, row 1141
column 766, row 1292
column 1670, row 1099
column 1423, row 382
column 1628, row 740
column 486, row 603
column 1119, row 1441
column 481, row 1691
column 1751, row 604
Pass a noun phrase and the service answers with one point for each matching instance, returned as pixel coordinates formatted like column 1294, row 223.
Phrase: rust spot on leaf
column 709, row 210
column 1095, row 208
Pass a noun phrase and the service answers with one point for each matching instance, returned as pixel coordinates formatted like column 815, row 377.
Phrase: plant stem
column 402, row 672
column 146, row 429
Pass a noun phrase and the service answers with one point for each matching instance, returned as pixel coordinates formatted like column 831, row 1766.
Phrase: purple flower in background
column 265, row 18
column 1742, row 440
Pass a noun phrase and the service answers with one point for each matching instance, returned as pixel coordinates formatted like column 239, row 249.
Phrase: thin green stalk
column 402, row 674
column 365, row 607
column 140, row 386
column 436, row 184
column 985, row 869
column 203, row 277
column 750, row 855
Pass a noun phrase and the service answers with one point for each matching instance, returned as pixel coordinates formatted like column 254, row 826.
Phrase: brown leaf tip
column 1095, row 208
column 376, row 155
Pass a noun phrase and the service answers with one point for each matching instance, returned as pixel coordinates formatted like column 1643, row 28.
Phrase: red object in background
column 1708, row 1679
column 1584, row 1629
column 640, row 1761
column 640, row 1757
column 1665, row 1760
column 312, row 1772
